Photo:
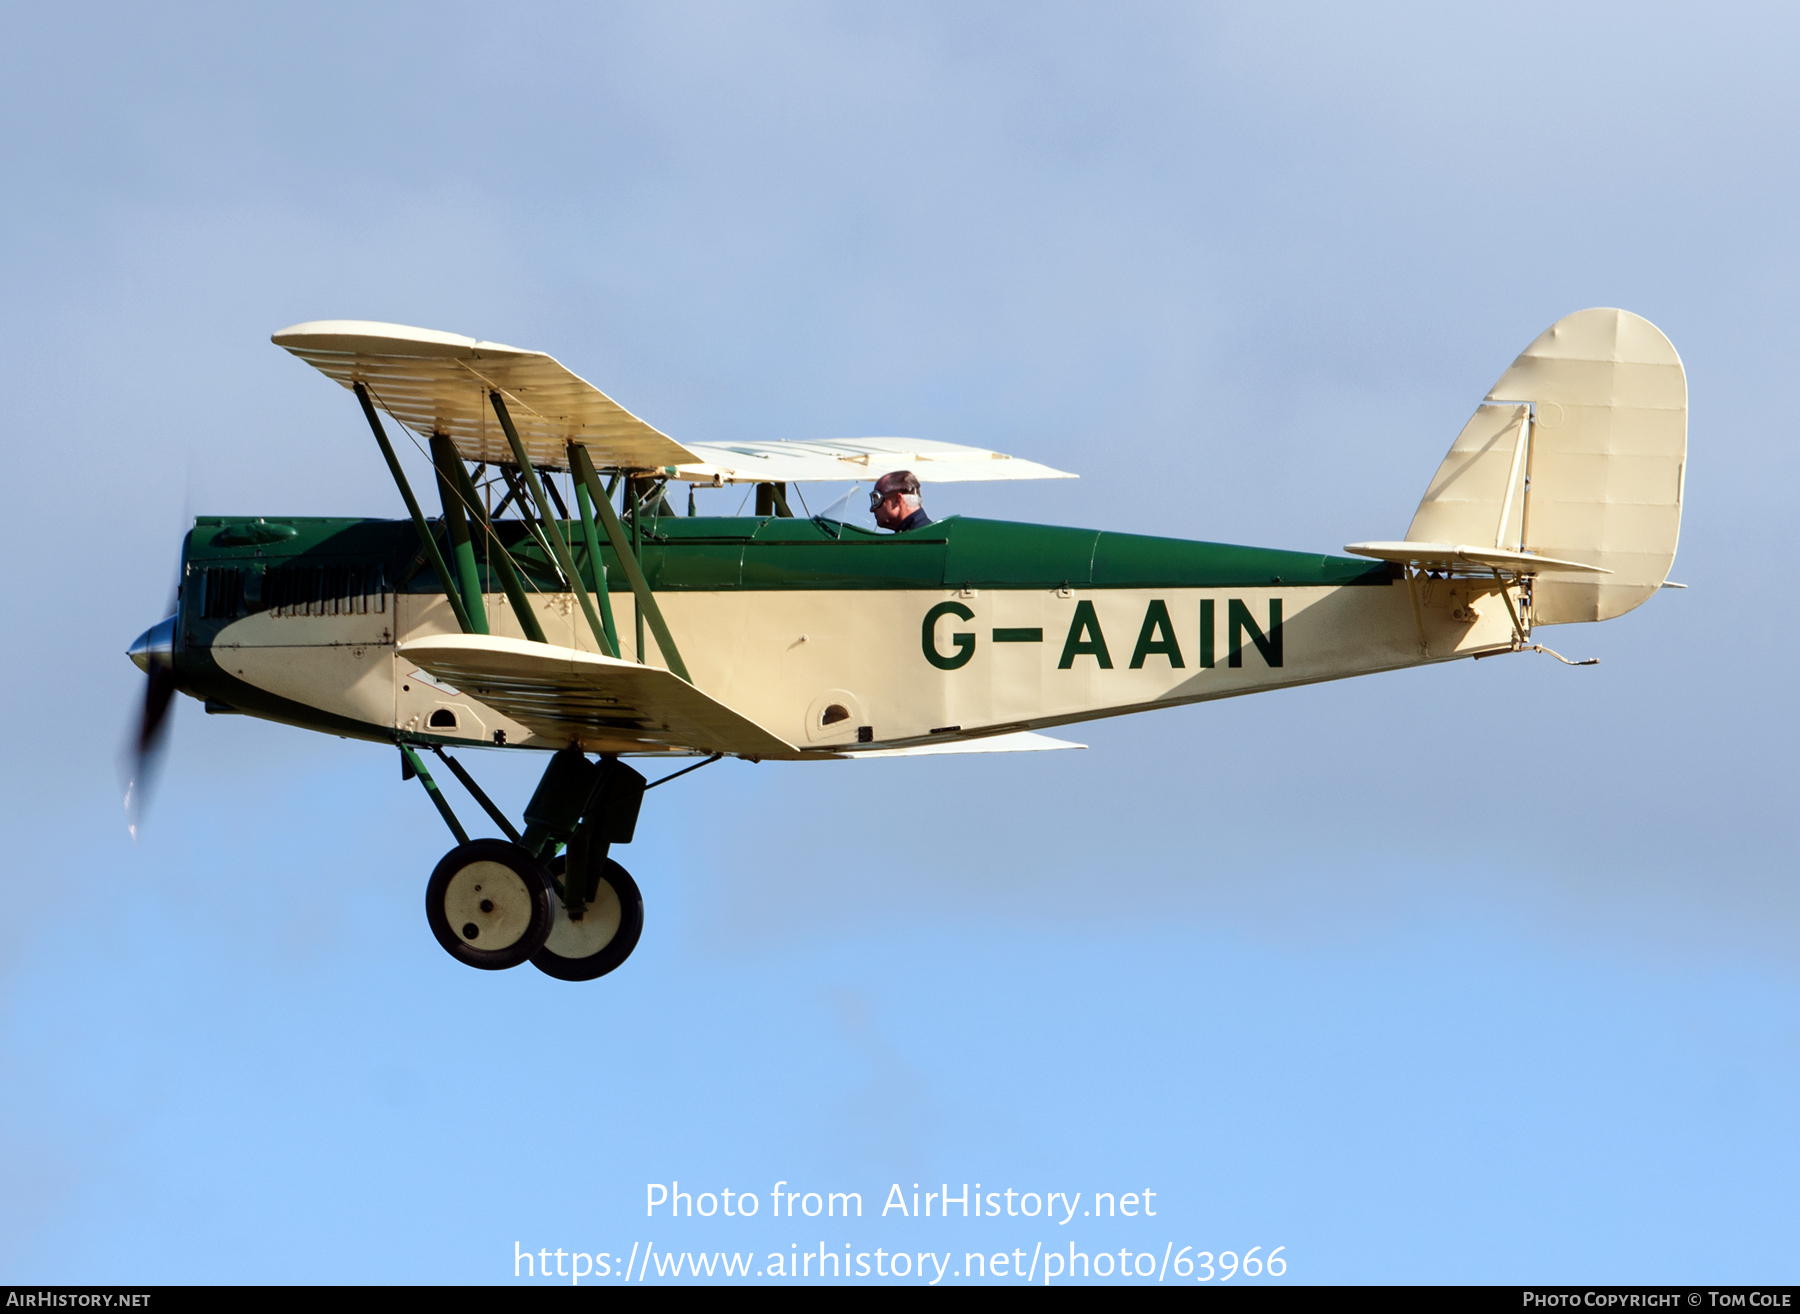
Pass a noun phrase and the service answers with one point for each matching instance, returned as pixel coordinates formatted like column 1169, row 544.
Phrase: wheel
column 490, row 904
column 604, row 937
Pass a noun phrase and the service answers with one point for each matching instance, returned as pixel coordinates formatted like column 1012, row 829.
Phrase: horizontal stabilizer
column 603, row 704
column 1468, row 554
column 1023, row 741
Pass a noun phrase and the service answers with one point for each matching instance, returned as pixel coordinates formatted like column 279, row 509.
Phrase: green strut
column 628, row 562
column 547, row 517
column 585, row 505
column 426, row 540
column 444, row 457
column 499, row 562
column 417, row 768
column 637, row 551
column 480, row 795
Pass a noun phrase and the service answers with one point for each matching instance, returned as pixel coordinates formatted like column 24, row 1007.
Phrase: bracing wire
column 684, row 770
column 487, row 528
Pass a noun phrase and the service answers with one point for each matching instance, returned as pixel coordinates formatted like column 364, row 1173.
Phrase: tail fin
column 1579, row 453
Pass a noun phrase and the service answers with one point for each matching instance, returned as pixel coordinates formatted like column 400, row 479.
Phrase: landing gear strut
column 576, row 916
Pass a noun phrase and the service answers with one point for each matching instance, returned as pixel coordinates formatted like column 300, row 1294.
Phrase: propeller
column 154, row 655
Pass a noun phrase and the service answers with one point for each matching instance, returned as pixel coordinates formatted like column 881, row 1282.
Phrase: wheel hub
column 490, row 904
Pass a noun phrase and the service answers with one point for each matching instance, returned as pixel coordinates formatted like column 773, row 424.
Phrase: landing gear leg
column 587, row 947
column 496, row 903
column 600, row 914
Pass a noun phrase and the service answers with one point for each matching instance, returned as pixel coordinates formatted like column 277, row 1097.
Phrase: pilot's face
column 891, row 510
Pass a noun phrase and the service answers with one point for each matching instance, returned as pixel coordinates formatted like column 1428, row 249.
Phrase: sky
column 1482, row 973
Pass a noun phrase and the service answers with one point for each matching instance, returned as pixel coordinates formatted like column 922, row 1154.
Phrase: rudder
column 1578, row 453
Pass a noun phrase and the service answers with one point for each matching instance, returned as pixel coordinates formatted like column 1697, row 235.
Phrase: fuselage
column 829, row 636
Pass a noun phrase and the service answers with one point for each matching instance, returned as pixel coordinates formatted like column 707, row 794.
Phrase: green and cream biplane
column 625, row 629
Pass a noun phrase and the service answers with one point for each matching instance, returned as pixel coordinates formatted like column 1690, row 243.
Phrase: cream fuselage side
column 783, row 657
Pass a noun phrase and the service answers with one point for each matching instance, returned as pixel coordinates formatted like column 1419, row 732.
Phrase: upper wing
column 601, row 703
column 854, row 458
column 438, row 383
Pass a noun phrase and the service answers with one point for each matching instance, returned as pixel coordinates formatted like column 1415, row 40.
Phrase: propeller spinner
column 154, row 655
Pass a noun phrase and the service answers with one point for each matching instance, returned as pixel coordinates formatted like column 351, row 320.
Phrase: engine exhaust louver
column 326, row 590
column 228, row 592
column 220, row 592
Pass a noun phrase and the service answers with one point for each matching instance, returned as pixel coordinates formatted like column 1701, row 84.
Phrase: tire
column 490, row 904
column 603, row 938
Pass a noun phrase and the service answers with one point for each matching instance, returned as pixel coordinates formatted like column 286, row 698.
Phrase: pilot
column 895, row 502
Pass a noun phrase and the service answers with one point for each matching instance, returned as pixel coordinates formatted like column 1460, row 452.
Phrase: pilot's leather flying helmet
column 900, row 481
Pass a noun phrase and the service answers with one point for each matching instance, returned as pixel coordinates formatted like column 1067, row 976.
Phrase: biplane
column 561, row 600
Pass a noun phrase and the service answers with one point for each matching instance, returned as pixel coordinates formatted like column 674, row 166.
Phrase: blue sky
column 1479, row 973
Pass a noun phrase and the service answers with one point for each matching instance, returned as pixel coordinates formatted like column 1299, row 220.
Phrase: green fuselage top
column 714, row 553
